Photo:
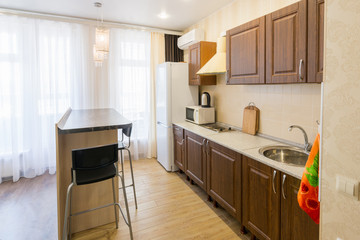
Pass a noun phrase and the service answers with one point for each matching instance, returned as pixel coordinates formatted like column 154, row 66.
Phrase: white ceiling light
column 101, row 47
column 102, row 39
column 163, row 15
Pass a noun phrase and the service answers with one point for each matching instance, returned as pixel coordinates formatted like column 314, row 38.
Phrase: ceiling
column 181, row 13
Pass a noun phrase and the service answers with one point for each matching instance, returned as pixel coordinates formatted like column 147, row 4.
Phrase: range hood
column 217, row 64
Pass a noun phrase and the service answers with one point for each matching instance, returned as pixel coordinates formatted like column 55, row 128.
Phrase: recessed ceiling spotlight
column 163, row 15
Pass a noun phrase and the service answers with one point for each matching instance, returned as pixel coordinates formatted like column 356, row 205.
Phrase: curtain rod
column 90, row 21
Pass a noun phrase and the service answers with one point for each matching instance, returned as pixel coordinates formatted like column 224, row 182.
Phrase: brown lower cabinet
column 261, row 198
column 179, row 147
column 270, row 208
column 195, row 158
column 224, row 178
column 295, row 223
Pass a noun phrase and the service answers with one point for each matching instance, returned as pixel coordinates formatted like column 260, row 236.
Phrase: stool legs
column 132, row 177
column 114, row 197
column 70, row 216
column 125, row 197
column 66, row 215
column 132, row 173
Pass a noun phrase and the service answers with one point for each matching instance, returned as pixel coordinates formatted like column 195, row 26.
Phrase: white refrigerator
column 173, row 93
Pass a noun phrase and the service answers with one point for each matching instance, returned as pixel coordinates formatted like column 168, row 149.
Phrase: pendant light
column 101, row 47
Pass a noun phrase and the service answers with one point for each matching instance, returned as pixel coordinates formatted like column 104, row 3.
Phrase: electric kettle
column 205, row 100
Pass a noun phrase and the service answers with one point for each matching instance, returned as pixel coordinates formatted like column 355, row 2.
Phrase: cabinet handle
column 207, row 146
column 282, row 187
column 203, row 145
column 301, row 77
column 273, row 181
column 227, row 76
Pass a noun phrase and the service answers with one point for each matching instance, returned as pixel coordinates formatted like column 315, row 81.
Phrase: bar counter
column 82, row 129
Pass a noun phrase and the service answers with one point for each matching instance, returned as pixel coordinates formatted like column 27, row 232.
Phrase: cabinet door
column 179, row 148
column 245, row 53
column 194, row 64
column 286, row 44
column 261, row 199
column 224, row 178
column 295, row 223
column 199, row 54
column 195, row 166
column 315, row 40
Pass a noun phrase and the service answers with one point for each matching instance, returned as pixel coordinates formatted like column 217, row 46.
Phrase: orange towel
column 309, row 187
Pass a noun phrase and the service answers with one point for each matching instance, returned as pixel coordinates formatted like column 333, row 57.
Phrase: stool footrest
column 127, row 186
column 93, row 209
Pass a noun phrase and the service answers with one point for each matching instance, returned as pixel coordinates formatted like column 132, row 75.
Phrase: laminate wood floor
column 168, row 208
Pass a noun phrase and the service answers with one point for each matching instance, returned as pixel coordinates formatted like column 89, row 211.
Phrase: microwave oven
column 200, row 115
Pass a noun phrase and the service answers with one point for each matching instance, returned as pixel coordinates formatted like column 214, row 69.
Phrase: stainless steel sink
column 285, row 154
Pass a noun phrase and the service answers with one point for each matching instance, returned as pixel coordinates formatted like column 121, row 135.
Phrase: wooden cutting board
column 251, row 119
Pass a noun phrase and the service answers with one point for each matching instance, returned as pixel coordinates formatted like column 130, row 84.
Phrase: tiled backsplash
column 280, row 106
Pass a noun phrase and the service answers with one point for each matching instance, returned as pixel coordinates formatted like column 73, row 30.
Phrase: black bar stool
column 91, row 165
column 126, row 146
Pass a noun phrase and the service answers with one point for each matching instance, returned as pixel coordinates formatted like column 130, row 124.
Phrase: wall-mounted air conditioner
column 194, row 36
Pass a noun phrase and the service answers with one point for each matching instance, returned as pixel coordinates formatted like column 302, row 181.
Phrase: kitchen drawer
column 178, row 131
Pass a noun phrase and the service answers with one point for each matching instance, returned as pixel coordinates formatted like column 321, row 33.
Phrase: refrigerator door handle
column 160, row 123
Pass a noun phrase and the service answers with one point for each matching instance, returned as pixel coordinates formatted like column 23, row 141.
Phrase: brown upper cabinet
column 285, row 46
column 245, row 54
column 315, row 40
column 199, row 54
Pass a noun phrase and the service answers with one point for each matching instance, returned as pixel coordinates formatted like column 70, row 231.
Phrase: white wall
column 340, row 215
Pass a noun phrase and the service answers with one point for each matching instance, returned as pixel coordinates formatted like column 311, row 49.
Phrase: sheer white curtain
column 129, row 83
column 157, row 57
column 44, row 70
column 47, row 66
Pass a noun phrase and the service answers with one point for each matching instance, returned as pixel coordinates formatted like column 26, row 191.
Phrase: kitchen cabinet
column 295, row 223
column 245, row 53
column 199, row 54
column 286, row 32
column 195, row 158
column 315, row 40
column 285, row 46
column 270, row 207
column 261, row 199
column 224, row 177
column 179, row 147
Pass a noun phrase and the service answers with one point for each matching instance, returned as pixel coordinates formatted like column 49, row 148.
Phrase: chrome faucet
column 307, row 146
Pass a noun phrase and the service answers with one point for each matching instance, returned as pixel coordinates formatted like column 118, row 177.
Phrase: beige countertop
column 245, row 144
